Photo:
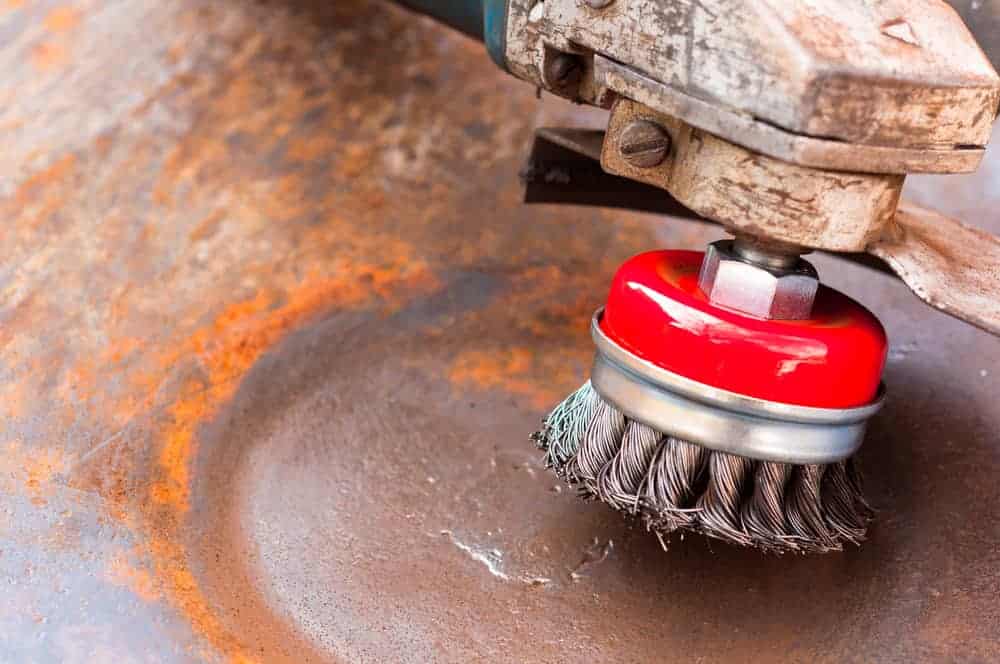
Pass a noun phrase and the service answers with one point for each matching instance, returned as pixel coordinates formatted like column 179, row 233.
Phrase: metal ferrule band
column 722, row 420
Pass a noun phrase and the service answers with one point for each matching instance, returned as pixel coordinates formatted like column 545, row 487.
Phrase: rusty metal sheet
column 275, row 327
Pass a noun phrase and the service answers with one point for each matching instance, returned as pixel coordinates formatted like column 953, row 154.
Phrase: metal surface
column 276, row 326
column 781, row 292
column 766, row 254
column 900, row 74
column 752, row 194
column 557, row 172
column 950, row 265
column 586, row 142
column 721, row 420
column 764, row 137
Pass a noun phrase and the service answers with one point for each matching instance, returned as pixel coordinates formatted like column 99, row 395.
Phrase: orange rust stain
column 32, row 186
column 207, row 227
column 949, row 625
column 553, row 310
column 31, row 470
column 20, row 316
column 121, row 349
column 512, row 369
column 36, row 200
column 310, row 148
column 287, row 199
column 62, row 19
column 121, row 572
column 226, row 349
column 49, row 55
column 240, row 334
column 354, row 160
column 40, row 466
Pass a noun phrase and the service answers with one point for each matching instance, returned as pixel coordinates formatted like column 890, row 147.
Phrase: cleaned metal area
column 276, row 327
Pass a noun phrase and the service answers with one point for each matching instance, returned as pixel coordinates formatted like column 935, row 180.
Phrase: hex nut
column 732, row 282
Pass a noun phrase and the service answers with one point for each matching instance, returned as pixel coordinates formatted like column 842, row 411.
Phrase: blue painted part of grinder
column 485, row 20
column 495, row 30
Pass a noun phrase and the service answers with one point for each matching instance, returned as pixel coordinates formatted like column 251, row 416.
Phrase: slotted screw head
column 644, row 144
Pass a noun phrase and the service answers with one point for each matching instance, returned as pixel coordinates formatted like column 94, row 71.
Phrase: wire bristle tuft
column 674, row 485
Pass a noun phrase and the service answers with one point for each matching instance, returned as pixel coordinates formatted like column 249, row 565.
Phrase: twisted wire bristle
column 619, row 481
column 672, row 485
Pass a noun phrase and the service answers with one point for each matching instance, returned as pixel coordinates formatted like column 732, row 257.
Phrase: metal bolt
column 563, row 70
column 644, row 144
column 768, row 254
column 597, row 4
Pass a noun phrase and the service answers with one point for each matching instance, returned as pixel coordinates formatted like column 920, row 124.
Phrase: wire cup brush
column 728, row 394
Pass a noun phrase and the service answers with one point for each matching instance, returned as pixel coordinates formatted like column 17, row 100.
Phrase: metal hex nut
column 732, row 282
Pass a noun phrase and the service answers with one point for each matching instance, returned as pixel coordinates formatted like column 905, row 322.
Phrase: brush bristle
column 675, row 485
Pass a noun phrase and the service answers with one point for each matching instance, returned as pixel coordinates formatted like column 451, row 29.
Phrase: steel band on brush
column 723, row 420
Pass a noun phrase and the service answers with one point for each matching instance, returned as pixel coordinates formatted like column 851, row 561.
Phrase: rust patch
column 208, row 226
column 49, row 55
column 122, row 571
column 258, row 179
column 36, row 469
column 507, row 369
column 946, row 623
column 226, row 349
column 240, row 334
column 549, row 305
column 62, row 19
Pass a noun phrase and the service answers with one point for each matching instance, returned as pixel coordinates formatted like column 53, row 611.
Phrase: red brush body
column 832, row 360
